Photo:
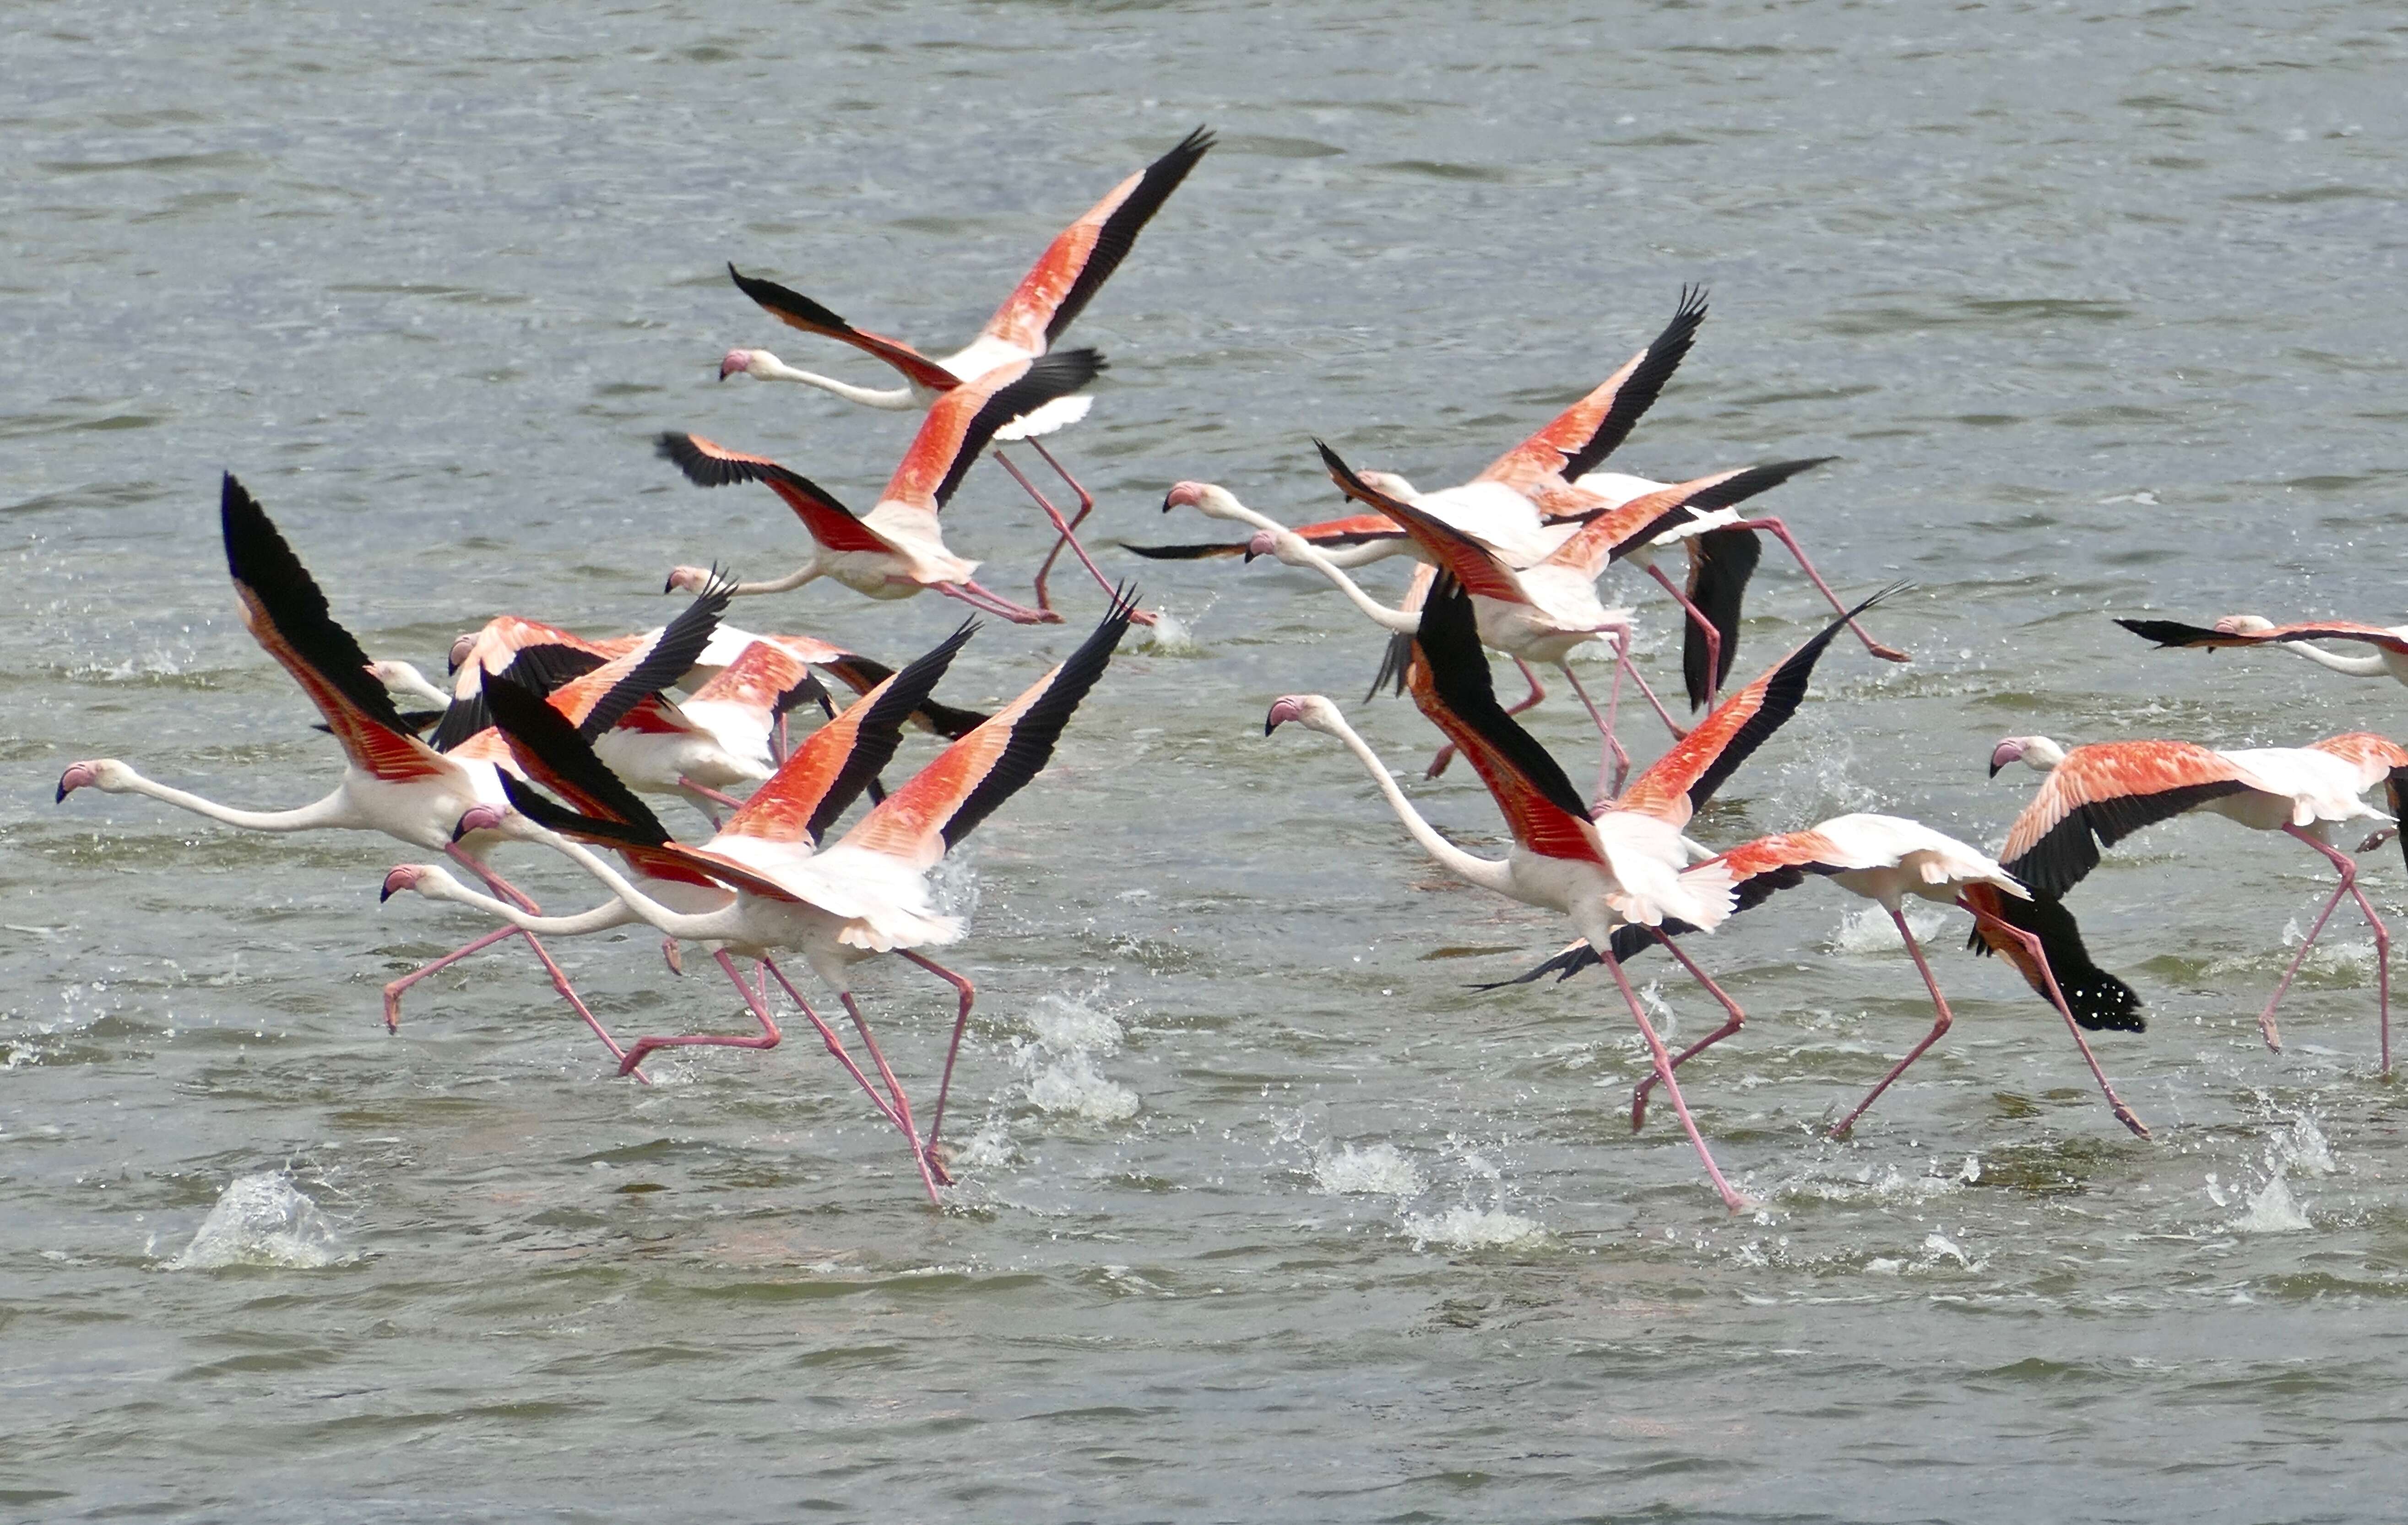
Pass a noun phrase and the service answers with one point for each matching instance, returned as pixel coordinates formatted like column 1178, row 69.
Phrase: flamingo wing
column 548, row 748
column 1083, row 255
column 946, row 800
column 796, row 311
column 767, row 679
column 653, row 851
column 1201, row 550
column 1352, row 529
column 1611, row 537
column 1474, row 565
column 1680, row 782
column 823, row 775
column 542, row 667
column 960, row 423
column 1450, row 683
column 287, row 614
column 1594, row 427
column 605, row 696
column 2102, row 793
column 2173, row 632
column 708, row 463
column 1721, row 562
column 2097, row 999
column 950, row 721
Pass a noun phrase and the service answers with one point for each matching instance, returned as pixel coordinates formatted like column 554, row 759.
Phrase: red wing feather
column 1473, row 565
column 708, row 463
column 1083, row 255
column 796, row 311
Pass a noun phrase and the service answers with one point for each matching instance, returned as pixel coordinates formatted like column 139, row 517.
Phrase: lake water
column 1264, row 1214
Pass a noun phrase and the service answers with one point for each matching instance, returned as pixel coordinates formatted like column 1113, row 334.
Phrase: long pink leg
column 990, row 603
column 1731, row 1199
column 1938, row 1026
column 836, row 1045
column 2382, row 969
column 1780, row 533
column 2348, row 882
column 714, row 796
column 1733, row 1021
column 1538, row 691
column 894, row 1089
column 1086, row 506
column 968, row 994
column 1705, row 627
column 766, row 1038
column 393, row 992
column 1612, row 753
column 1140, row 617
column 510, row 892
column 2048, row 976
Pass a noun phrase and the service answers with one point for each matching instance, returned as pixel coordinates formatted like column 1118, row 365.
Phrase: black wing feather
column 950, row 721
column 1118, row 235
column 1449, row 643
column 880, row 730
column 2099, row 999
column 1638, row 395
column 2061, row 858
column 542, row 669
column 259, row 559
column 2169, row 633
column 530, row 721
column 1723, row 561
column 1048, row 376
column 1781, row 697
column 1031, row 746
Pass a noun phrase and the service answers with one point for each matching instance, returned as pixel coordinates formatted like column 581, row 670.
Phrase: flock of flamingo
column 549, row 737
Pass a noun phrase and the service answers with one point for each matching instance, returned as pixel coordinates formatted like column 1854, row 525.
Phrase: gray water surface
column 1264, row 1214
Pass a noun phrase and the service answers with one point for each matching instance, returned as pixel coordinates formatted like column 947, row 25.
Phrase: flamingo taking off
column 2099, row 795
column 1031, row 321
column 896, row 548
column 1883, row 859
column 392, row 782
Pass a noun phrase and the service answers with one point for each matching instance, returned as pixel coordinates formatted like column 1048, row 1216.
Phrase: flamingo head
column 1260, row 544
column 1311, row 710
column 2242, row 624
column 2038, row 753
column 735, row 362
column 479, row 817
column 1184, row 495
column 688, row 579
column 464, row 646
column 404, row 877
column 106, row 774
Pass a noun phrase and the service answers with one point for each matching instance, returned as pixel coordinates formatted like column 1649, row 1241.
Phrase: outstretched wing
column 1473, row 565
column 796, row 311
column 2102, row 793
column 823, row 775
column 1680, row 782
column 2097, row 999
column 1083, row 255
column 2171, row 633
column 1593, row 428
column 960, row 423
column 287, row 615
column 948, row 798
column 708, row 463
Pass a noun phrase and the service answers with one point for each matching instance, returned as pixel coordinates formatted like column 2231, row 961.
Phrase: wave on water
column 1069, row 1033
column 1869, row 930
column 262, row 1219
column 1381, row 1170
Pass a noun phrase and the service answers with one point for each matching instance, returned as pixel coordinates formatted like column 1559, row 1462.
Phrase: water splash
column 1381, row 1170
column 1471, row 1228
column 1869, row 930
column 1069, row 1033
column 1173, row 636
column 262, row 1219
column 2272, row 1209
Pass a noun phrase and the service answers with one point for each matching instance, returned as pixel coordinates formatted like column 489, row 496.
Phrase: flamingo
column 865, row 894
column 1885, row 858
column 810, row 790
column 1047, row 301
column 392, row 782
column 896, row 548
column 1622, row 868
column 2099, row 795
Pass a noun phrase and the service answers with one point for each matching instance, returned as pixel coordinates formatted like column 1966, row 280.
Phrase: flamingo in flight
column 2099, row 795
column 898, row 547
column 392, row 782
column 1623, row 867
column 1031, row 321
column 865, row 894
column 2388, row 658
column 1885, row 859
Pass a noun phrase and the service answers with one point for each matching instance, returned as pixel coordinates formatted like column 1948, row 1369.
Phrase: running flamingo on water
column 392, row 782
column 1031, row 321
column 898, row 547
column 865, row 894
column 2099, row 795
column 1624, row 867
